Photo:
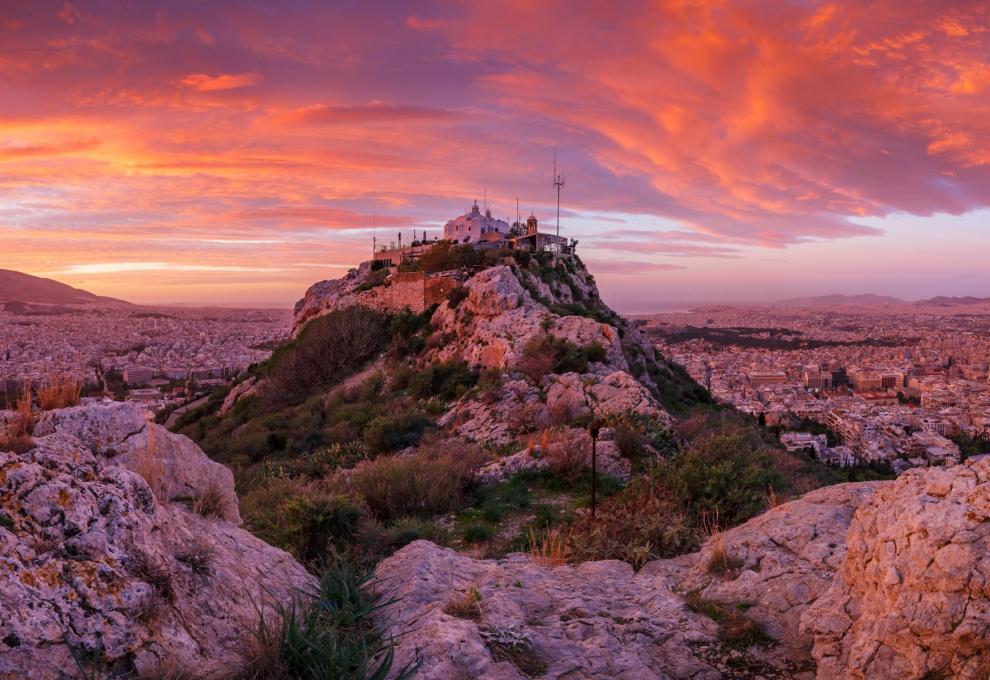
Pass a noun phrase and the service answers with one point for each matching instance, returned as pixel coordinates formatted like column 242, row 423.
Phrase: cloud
column 203, row 82
column 375, row 112
column 685, row 130
column 629, row 267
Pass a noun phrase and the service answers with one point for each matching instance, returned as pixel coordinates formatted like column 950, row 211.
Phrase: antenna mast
column 374, row 233
column 558, row 184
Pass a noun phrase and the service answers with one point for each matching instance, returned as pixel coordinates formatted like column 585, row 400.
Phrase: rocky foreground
column 120, row 545
column 880, row 580
column 120, row 553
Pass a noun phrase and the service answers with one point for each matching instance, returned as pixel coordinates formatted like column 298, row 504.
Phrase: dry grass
column 59, row 390
column 549, row 547
column 773, row 499
column 149, row 465
column 736, row 630
column 198, row 555
column 18, row 438
column 467, row 606
column 642, row 522
column 210, row 502
column 720, row 560
column 567, row 456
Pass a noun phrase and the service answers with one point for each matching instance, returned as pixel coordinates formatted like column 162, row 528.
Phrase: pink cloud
column 203, row 82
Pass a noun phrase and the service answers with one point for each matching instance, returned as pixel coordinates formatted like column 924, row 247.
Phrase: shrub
column 430, row 481
column 446, row 380
column 457, row 296
column 547, row 353
column 726, row 471
column 328, row 349
column 446, row 255
column 300, row 517
column 642, row 522
column 568, row 454
column 210, row 502
column 376, row 278
column 395, row 432
column 331, row 636
column 478, row 532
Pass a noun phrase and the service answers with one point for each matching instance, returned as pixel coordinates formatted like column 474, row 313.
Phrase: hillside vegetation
column 468, row 425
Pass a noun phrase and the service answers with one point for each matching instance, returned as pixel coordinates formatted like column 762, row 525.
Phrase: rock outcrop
column 119, row 434
column 883, row 580
column 593, row 620
column 786, row 557
column 912, row 596
column 98, row 573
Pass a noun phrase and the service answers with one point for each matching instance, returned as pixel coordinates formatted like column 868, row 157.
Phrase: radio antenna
column 558, row 184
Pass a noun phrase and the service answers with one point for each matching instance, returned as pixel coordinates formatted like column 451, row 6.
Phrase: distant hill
column 24, row 288
column 867, row 299
column 949, row 301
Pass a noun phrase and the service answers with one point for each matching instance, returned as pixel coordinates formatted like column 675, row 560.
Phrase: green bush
column 448, row 381
column 446, row 255
column 478, row 532
column 457, row 296
column 376, row 278
column 300, row 518
column 729, row 472
column 394, row 432
column 328, row 349
column 430, row 481
column 331, row 635
column 547, row 353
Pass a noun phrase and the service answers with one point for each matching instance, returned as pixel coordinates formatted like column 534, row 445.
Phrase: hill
column 952, row 301
column 24, row 288
column 425, row 441
column 865, row 299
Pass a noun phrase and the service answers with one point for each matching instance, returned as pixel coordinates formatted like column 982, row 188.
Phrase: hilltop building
column 482, row 231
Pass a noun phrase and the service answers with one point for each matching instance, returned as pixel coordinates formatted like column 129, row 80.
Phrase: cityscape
column 892, row 385
column 161, row 357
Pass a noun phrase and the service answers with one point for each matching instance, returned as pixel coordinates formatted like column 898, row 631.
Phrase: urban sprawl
column 854, row 386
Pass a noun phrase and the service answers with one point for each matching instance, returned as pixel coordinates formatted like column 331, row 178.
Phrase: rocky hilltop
column 490, row 319
column 436, row 427
column 120, row 553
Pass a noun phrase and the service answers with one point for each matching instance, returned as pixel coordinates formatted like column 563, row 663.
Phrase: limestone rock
column 118, row 432
column 246, row 388
column 788, row 557
column 911, row 597
column 594, row 620
column 325, row 296
column 92, row 561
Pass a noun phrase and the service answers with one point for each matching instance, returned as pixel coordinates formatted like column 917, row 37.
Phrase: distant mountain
column 949, row 301
column 866, row 299
column 24, row 288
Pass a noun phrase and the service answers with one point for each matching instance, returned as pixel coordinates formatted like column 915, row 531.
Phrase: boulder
column 95, row 566
column 118, row 433
column 911, row 598
column 787, row 559
column 593, row 620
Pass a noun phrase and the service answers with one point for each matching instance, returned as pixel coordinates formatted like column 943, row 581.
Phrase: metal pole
column 593, row 430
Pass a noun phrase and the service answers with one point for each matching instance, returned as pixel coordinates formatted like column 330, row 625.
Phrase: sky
column 236, row 152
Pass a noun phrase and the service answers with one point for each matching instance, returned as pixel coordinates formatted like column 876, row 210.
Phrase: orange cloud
column 203, row 82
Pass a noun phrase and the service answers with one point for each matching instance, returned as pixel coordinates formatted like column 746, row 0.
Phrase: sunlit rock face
column 912, row 596
column 119, row 542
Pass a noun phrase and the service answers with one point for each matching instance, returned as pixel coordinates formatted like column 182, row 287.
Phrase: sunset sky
column 233, row 152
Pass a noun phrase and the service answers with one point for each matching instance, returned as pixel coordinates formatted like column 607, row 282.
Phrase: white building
column 473, row 227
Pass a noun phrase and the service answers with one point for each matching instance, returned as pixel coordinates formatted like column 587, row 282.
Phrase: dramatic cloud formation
column 251, row 142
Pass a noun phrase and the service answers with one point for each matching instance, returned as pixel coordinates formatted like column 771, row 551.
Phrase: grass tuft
column 330, row 636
